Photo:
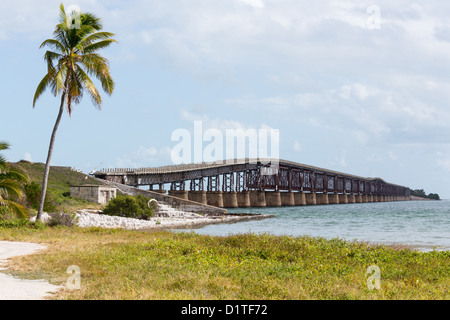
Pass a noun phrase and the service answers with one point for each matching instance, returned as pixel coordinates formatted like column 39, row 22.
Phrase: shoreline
column 90, row 218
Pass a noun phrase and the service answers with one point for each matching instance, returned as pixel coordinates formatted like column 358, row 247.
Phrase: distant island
column 421, row 194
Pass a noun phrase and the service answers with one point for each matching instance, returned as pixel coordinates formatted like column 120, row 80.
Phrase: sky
column 360, row 87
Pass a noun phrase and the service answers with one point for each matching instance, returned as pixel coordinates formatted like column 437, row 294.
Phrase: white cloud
column 297, row 146
column 259, row 4
column 144, row 157
column 28, row 157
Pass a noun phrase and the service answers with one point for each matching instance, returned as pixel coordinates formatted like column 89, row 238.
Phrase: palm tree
column 72, row 59
column 10, row 186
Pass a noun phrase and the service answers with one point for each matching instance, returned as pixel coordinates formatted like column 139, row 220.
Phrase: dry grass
column 119, row 264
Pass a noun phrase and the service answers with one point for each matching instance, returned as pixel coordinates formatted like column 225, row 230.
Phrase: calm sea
column 425, row 225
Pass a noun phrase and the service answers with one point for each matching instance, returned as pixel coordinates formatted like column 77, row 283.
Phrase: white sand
column 12, row 288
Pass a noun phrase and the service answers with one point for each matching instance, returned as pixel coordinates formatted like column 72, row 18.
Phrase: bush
column 130, row 207
column 33, row 194
column 63, row 219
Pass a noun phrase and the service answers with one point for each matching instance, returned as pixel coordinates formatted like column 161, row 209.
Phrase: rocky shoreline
column 165, row 218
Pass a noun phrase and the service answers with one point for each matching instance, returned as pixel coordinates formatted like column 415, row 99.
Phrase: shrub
column 63, row 218
column 33, row 194
column 129, row 207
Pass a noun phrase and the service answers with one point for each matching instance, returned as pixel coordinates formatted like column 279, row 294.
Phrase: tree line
column 421, row 193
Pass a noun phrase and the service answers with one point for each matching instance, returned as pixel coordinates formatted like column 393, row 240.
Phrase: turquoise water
column 425, row 225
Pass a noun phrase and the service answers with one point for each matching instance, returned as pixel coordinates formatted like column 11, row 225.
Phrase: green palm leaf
column 11, row 186
column 73, row 57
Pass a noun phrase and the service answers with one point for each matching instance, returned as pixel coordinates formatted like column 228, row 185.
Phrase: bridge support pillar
column 333, row 198
column 287, row 199
column 179, row 194
column 343, row 198
column 198, row 196
column 230, row 200
column 273, row 198
column 365, row 198
column 258, row 198
column 351, row 198
column 299, row 199
column 358, row 198
column 215, row 198
column 322, row 198
column 311, row 198
column 243, row 199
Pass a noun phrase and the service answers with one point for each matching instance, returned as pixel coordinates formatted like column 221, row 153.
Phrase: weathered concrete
column 365, row 198
column 179, row 194
column 287, row 199
column 214, row 198
column 273, row 199
column 343, row 199
column 230, row 200
column 322, row 198
column 311, row 199
column 257, row 198
column 333, row 198
column 351, row 198
column 358, row 198
column 162, row 191
column 198, row 196
column 299, row 199
column 94, row 193
column 243, row 199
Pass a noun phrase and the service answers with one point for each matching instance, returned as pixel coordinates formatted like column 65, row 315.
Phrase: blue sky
column 349, row 88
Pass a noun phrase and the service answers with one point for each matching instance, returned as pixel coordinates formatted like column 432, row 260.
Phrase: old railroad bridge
column 258, row 183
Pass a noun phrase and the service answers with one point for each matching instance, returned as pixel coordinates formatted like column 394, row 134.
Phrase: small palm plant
column 11, row 185
column 73, row 58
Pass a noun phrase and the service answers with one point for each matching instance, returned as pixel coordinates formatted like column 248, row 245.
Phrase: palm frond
column 10, row 188
column 98, row 45
column 45, row 82
column 14, row 207
column 58, row 84
column 71, row 50
column 92, row 38
column 90, row 19
column 90, row 87
column 98, row 66
column 55, row 45
column 16, row 175
column 4, row 145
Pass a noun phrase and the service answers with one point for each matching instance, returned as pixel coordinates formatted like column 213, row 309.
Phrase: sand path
column 12, row 288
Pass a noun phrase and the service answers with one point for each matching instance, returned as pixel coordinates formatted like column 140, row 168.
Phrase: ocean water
column 424, row 225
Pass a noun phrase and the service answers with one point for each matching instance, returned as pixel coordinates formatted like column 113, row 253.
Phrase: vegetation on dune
column 58, row 197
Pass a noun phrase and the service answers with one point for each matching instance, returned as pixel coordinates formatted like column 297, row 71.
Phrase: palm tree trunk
column 49, row 157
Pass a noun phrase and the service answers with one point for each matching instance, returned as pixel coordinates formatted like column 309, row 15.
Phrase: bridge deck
column 252, row 174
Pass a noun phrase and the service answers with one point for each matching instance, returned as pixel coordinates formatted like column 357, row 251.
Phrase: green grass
column 119, row 264
column 59, row 182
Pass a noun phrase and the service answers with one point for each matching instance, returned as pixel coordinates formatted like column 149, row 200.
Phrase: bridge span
column 241, row 183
